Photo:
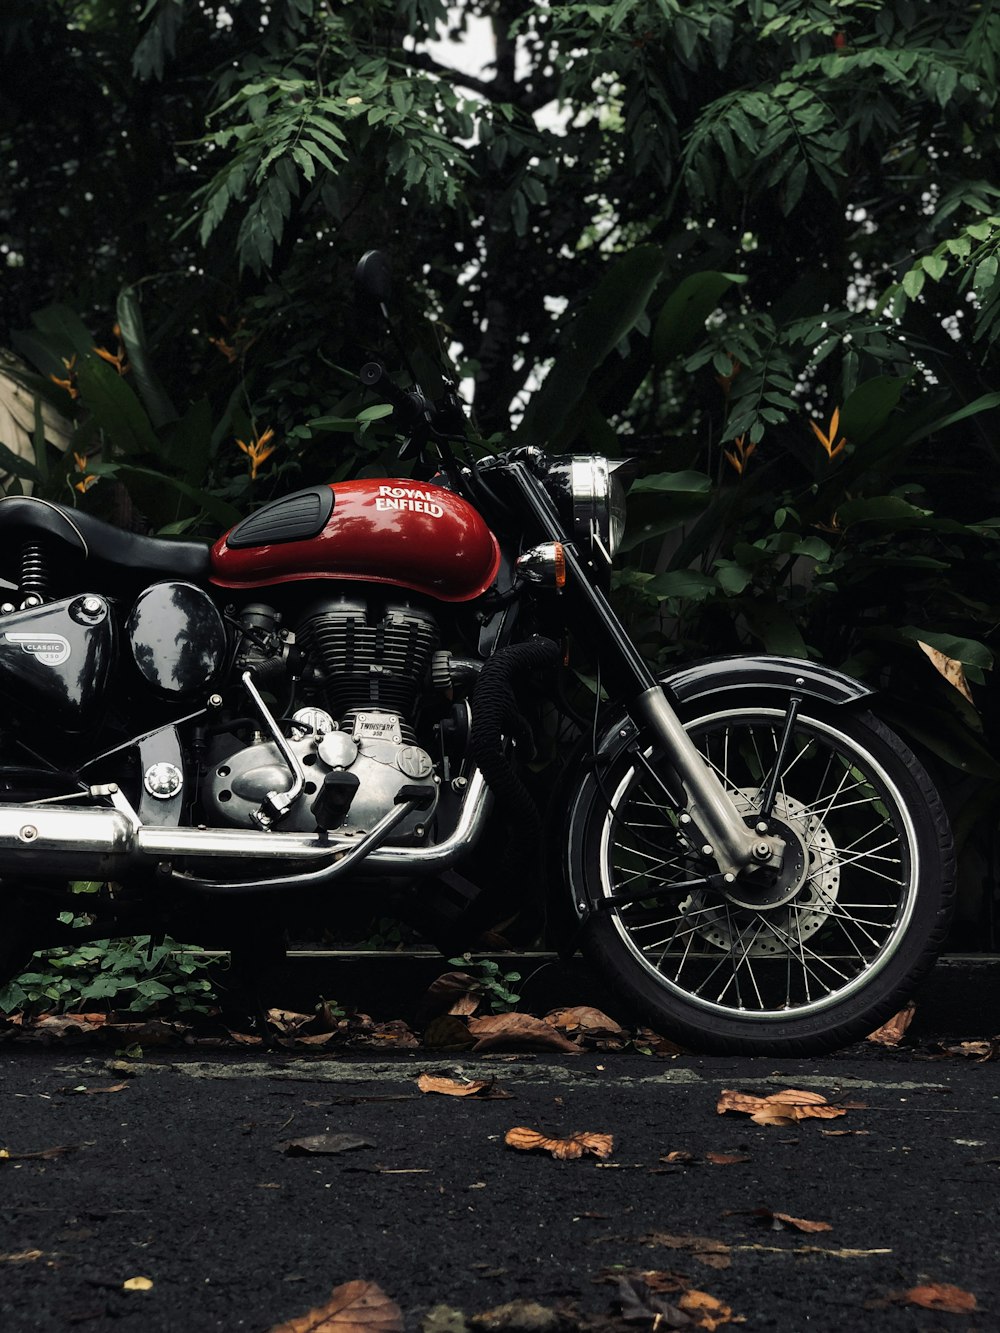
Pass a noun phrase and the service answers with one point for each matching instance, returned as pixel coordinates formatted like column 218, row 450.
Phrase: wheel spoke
column 810, row 940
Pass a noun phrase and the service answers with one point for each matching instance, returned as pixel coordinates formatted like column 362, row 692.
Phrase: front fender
column 717, row 675
column 700, row 680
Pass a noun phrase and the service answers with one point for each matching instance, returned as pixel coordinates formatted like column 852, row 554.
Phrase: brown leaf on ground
column 498, row 1032
column 452, row 993
column 246, row 1038
column 447, row 1033
column 891, row 1033
column 976, row 1050
column 646, row 1039
column 780, row 1108
column 517, row 1316
column 573, row 1146
column 394, row 1033
column 656, row 1279
column 705, row 1249
column 483, row 1089
column 21, row 1257
column 588, row 1023
column 288, row 1021
column 726, row 1158
column 322, row 1145
column 941, row 1296
column 784, row 1222
column 43, row 1154
column 679, row 1156
column 353, row 1307
column 81, row 1091
column 706, row 1311
column 137, row 1284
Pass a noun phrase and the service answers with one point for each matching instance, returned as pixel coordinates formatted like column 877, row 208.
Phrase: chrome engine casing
column 363, row 671
column 374, row 746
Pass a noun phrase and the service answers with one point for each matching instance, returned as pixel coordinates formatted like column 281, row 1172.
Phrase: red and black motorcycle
column 338, row 703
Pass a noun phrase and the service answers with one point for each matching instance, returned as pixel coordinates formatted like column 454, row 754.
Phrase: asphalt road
column 177, row 1177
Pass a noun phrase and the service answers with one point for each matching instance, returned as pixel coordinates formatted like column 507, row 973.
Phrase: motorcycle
column 341, row 700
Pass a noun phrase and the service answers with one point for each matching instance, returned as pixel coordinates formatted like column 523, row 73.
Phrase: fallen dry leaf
column 780, row 1108
column 448, row 1033
column 891, row 1033
column 976, row 1050
column 452, row 993
column 137, row 1284
column 726, row 1158
column 43, row 1154
column 646, row 1040
column 21, row 1257
column 680, row 1156
column 783, row 1221
column 942, row 1296
column 483, row 1089
column 353, row 1307
column 706, row 1311
column 575, row 1145
column 520, row 1031
column 583, row 1020
column 950, row 668
column 705, row 1249
column 322, row 1145
column 83, row 1091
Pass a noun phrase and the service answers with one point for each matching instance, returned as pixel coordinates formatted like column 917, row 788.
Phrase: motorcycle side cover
column 393, row 531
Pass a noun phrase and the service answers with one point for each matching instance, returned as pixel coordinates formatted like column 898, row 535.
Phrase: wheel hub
column 809, row 878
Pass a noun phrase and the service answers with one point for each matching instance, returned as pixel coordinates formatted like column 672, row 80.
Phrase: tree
column 680, row 230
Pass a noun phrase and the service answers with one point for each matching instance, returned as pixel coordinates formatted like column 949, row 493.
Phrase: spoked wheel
column 797, row 959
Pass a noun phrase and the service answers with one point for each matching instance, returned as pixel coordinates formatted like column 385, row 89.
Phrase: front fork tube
column 724, row 835
column 729, row 841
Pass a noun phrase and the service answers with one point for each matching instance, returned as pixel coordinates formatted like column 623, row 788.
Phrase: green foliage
column 493, row 983
column 128, row 974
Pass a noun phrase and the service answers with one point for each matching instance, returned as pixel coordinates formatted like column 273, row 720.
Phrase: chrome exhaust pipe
column 77, row 842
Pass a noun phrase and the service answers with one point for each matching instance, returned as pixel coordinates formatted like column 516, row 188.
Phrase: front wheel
column 796, row 961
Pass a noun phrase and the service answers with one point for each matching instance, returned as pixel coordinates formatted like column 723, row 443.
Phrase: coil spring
column 34, row 572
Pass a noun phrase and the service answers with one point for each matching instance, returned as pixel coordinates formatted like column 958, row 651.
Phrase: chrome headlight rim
column 591, row 498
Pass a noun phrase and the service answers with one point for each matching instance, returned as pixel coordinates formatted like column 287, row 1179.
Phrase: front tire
column 818, row 958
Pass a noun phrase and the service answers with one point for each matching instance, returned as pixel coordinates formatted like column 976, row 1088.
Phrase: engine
column 361, row 676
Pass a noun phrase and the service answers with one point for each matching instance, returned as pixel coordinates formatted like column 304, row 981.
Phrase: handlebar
column 411, row 404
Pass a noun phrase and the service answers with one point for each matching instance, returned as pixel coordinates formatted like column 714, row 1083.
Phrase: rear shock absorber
column 34, row 581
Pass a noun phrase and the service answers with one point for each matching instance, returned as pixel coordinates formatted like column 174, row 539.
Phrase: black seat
column 69, row 535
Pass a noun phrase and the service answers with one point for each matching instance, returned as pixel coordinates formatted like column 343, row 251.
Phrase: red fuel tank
column 410, row 534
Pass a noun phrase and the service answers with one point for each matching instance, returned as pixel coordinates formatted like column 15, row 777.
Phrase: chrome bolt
column 459, row 784
column 729, row 877
column 685, row 819
column 28, row 833
column 215, row 701
column 762, row 851
column 708, row 850
column 92, row 605
column 761, row 827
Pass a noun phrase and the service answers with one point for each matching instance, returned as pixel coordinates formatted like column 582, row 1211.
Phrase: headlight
column 590, row 497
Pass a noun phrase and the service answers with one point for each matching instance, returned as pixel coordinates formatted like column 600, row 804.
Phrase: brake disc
column 723, row 924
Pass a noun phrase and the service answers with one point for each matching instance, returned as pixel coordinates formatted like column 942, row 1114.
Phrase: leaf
column 567, row 1149
column 780, row 1108
column 447, row 1033
column 891, row 1033
column 726, row 1158
column 90, row 1092
column 585, row 1021
column 137, row 1284
column 151, row 391
column 353, row 1307
column 783, row 1221
column 709, row 1312
column 518, row 1032
column 950, row 668
column 942, row 1296
column 42, row 1155
column 322, row 1145
column 705, row 1249
column 866, row 410
column 681, row 320
column 484, row 1089
column 612, row 310
column 21, row 1257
